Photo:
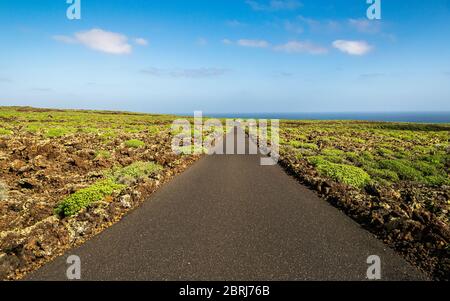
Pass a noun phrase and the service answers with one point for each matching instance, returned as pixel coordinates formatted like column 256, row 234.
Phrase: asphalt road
column 229, row 218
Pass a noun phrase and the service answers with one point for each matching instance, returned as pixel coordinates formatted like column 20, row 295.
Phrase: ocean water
column 419, row 117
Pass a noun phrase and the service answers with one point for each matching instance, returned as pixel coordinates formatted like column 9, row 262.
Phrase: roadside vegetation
column 388, row 154
column 67, row 174
column 393, row 178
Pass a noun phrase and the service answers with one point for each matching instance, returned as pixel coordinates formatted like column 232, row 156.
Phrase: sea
column 416, row 117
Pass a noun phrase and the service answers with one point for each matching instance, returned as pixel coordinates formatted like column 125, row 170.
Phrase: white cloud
column 99, row 40
column 352, row 47
column 105, row 41
column 253, row 43
column 301, row 47
column 274, row 5
column 141, row 41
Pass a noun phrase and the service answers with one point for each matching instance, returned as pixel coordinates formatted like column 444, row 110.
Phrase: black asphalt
column 229, row 218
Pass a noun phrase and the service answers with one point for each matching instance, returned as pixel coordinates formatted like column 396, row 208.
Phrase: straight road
column 229, row 218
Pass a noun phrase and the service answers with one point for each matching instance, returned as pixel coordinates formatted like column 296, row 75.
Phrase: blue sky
column 226, row 55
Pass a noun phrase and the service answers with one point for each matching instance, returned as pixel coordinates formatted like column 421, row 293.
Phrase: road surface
column 229, row 218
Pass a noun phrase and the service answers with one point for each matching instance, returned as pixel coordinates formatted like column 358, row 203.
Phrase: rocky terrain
column 391, row 178
column 67, row 175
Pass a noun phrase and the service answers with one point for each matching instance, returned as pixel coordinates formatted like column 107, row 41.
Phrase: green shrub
column 335, row 159
column 301, row 137
column 437, row 180
column 108, row 135
column 346, row 174
column 131, row 130
column 358, row 140
column 365, row 162
column 32, row 128
column 298, row 144
column 56, row 132
column 334, row 155
column 402, row 168
column 386, row 152
column 134, row 143
column 385, row 174
column 295, row 144
column 351, row 156
column 103, row 154
column 426, row 168
column 366, row 155
column 85, row 197
column 333, row 152
column 305, row 152
column 436, row 159
column 282, row 141
column 317, row 160
column 89, row 130
column 5, row 132
column 136, row 171
column 153, row 130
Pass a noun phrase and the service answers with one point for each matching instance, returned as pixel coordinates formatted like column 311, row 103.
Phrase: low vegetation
column 4, row 132
column 134, row 143
column 68, row 174
column 389, row 154
column 135, row 172
column 393, row 178
column 87, row 196
column 343, row 173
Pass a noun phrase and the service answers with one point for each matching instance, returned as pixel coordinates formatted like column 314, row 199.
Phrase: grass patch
column 402, row 168
column 384, row 174
column 85, row 197
column 116, row 180
column 56, row 132
column 134, row 172
column 32, row 128
column 437, row 180
column 5, row 132
column 333, row 152
column 108, row 135
column 298, row 144
column 102, row 154
column 134, row 143
column 342, row 173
